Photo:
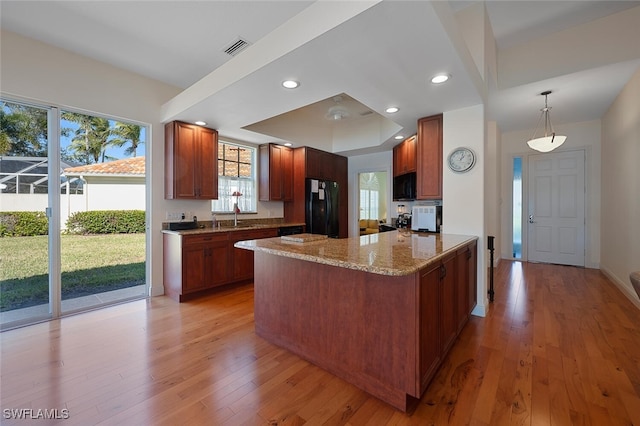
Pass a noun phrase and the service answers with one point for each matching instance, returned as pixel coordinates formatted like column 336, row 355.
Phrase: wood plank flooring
column 559, row 346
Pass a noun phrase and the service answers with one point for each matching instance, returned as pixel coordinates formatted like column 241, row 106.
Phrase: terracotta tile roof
column 127, row 166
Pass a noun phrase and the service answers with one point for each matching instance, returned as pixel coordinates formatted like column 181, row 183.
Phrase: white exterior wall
column 119, row 194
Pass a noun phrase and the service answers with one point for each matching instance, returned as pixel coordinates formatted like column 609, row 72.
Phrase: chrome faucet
column 235, row 214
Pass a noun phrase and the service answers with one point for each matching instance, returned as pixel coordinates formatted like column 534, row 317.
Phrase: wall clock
column 461, row 159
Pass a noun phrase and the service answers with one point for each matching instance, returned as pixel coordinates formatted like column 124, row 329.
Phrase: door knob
column 531, row 219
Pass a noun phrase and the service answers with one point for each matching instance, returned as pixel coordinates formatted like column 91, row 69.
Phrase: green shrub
column 107, row 222
column 23, row 224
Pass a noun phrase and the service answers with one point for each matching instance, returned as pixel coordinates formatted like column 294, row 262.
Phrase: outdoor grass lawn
column 90, row 264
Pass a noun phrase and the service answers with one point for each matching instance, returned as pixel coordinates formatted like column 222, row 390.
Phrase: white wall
column 463, row 200
column 620, row 222
column 35, row 71
column 584, row 136
column 115, row 194
column 378, row 162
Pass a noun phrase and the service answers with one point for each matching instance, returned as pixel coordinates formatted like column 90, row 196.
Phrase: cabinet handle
column 468, row 253
column 443, row 272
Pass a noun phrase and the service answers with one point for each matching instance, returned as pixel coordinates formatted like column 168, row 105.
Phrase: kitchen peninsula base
column 386, row 334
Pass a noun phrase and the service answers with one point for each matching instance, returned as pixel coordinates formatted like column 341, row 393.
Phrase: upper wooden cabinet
column 276, row 173
column 191, row 162
column 429, row 158
column 404, row 157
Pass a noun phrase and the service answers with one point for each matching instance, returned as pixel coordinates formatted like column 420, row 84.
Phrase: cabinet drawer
column 254, row 234
column 188, row 240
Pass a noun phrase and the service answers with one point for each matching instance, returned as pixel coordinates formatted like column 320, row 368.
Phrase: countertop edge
column 209, row 230
column 248, row 245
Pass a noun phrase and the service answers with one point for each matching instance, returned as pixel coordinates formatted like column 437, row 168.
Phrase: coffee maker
column 404, row 218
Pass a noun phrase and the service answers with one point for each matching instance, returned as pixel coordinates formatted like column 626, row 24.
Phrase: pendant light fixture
column 550, row 140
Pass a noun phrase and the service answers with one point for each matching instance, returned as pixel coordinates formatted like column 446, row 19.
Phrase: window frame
column 216, row 205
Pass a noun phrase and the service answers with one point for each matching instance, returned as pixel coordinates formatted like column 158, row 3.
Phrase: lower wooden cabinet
column 199, row 262
column 444, row 291
column 242, row 260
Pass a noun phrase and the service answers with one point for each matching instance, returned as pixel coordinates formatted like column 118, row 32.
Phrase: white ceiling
column 375, row 53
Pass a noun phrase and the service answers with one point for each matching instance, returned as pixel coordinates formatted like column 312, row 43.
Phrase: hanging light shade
column 550, row 140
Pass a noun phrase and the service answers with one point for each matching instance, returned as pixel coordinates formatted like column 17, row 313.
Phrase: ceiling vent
column 236, row 47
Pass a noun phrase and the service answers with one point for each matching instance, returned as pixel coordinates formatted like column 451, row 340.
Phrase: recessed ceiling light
column 391, row 110
column 201, row 123
column 398, row 137
column 288, row 144
column 290, row 84
column 440, row 78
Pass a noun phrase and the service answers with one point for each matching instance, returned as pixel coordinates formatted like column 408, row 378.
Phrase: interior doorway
column 372, row 201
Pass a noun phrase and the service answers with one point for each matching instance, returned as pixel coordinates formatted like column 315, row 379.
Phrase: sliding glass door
column 25, row 246
column 72, row 212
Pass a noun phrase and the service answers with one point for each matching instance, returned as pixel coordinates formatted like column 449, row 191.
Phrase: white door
column 556, row 218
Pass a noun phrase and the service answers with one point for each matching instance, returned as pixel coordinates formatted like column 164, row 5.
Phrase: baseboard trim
column 627, row 291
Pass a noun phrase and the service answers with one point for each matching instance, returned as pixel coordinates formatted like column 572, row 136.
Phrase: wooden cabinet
column 242, row 260
column 194, row 263
column 448, row 301
column 429, row 158
column 276, row 173
column 191, row 162
column 199, row 262
column 444, row 289
column 429, row 324
column 404, row 157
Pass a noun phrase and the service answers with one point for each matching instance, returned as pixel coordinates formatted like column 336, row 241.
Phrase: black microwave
column 404, row 187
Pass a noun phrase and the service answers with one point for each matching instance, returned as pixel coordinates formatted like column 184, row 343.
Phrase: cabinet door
column 191, row 164
column 207, row 164
column 410, row 154
column 185, row 151
column 194, row 259
column 398, row 160
column 217, row 266
column 430, row 345
column 276, row 173
column 241, row 259
column 429, row 158
column 286, row 167
column 448, row 303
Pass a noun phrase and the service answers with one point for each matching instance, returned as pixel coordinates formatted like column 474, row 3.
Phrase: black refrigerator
column 322, row 207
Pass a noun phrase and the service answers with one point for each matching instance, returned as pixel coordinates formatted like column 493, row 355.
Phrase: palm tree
column 127, row 132
column 23, row 130
column 91, row 138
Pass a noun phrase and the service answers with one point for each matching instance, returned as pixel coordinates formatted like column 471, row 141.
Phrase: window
column 370, row 207
column 236, row 174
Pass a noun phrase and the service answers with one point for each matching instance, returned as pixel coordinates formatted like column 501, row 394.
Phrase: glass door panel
column 24, row 227
column 102, row 247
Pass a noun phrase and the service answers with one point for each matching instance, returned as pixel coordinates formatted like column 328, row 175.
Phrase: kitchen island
column 380, row 311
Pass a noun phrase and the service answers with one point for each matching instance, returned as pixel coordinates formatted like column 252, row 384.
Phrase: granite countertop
column 207, row 228
column 387, row 253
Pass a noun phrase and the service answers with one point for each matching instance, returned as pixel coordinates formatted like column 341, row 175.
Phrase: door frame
column 53, row 212
column 525, row 200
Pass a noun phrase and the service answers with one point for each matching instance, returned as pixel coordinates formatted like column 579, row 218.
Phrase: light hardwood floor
column 560, row 346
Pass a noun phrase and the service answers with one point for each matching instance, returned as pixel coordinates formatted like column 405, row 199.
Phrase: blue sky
column 112, row 151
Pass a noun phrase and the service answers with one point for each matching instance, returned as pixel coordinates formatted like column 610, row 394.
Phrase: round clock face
column 461, row 160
